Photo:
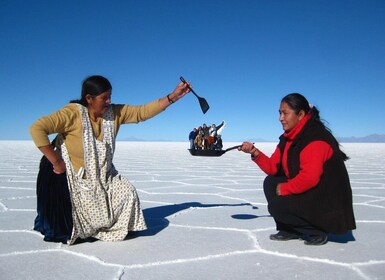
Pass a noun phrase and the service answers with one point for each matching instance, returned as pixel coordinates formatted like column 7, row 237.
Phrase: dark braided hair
column 298, row 102
column 93, row 85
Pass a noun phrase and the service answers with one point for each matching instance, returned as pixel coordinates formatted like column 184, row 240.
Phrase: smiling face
column 288, row 117
column 99, row 104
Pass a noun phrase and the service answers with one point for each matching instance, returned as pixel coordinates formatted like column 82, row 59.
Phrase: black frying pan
column 211, row 153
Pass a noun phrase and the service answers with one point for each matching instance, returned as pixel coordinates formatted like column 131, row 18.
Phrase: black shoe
column 317, row 239
column 283, row 236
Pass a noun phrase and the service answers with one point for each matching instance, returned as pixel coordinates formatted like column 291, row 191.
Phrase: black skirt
column 54, row 210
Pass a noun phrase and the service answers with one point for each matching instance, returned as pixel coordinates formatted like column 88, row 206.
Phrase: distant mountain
column 256, row 140
column 373, row 138
column 132, row 138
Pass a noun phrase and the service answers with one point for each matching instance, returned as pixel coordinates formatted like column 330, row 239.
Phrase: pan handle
column 232, row 148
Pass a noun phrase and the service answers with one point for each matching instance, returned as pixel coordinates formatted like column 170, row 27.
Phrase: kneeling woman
column 103, row 203
column 307, row 187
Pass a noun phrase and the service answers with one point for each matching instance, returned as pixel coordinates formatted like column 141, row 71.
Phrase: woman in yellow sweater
column 104, row 204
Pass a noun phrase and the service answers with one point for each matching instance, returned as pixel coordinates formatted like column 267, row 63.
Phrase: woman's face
column 100, row 103
column 288, row 117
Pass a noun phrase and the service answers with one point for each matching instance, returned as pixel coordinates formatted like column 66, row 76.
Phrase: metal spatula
column 204, row 105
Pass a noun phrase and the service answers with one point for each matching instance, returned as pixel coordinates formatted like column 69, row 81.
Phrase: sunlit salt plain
column 207, row 219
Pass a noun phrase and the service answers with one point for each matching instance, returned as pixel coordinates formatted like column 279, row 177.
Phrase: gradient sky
column 243, row 56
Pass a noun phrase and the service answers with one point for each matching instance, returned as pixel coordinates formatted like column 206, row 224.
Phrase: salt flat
column 207, row 219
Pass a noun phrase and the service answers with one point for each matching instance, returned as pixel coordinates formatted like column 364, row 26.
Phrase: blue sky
column 243, row 56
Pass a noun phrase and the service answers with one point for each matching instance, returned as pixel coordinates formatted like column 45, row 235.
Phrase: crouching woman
column 307, row 187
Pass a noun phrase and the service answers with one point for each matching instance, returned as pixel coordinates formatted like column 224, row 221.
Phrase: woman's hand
column 55, row 158
column 249, row 148
column 59, row 167
column 181, row 90
column 278, row 190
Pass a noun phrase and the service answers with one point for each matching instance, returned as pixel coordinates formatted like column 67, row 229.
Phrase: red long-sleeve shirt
column 312, row 159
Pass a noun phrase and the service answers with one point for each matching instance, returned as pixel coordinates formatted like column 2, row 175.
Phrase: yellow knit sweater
column 67, row 121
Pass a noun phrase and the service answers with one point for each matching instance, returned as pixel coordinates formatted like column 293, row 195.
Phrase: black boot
column 283, row 236
column 320, row 239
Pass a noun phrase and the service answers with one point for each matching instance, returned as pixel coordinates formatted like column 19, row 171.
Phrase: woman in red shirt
column 307, row 187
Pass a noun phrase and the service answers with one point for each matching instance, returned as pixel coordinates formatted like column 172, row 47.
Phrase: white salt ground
column 207, row 219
